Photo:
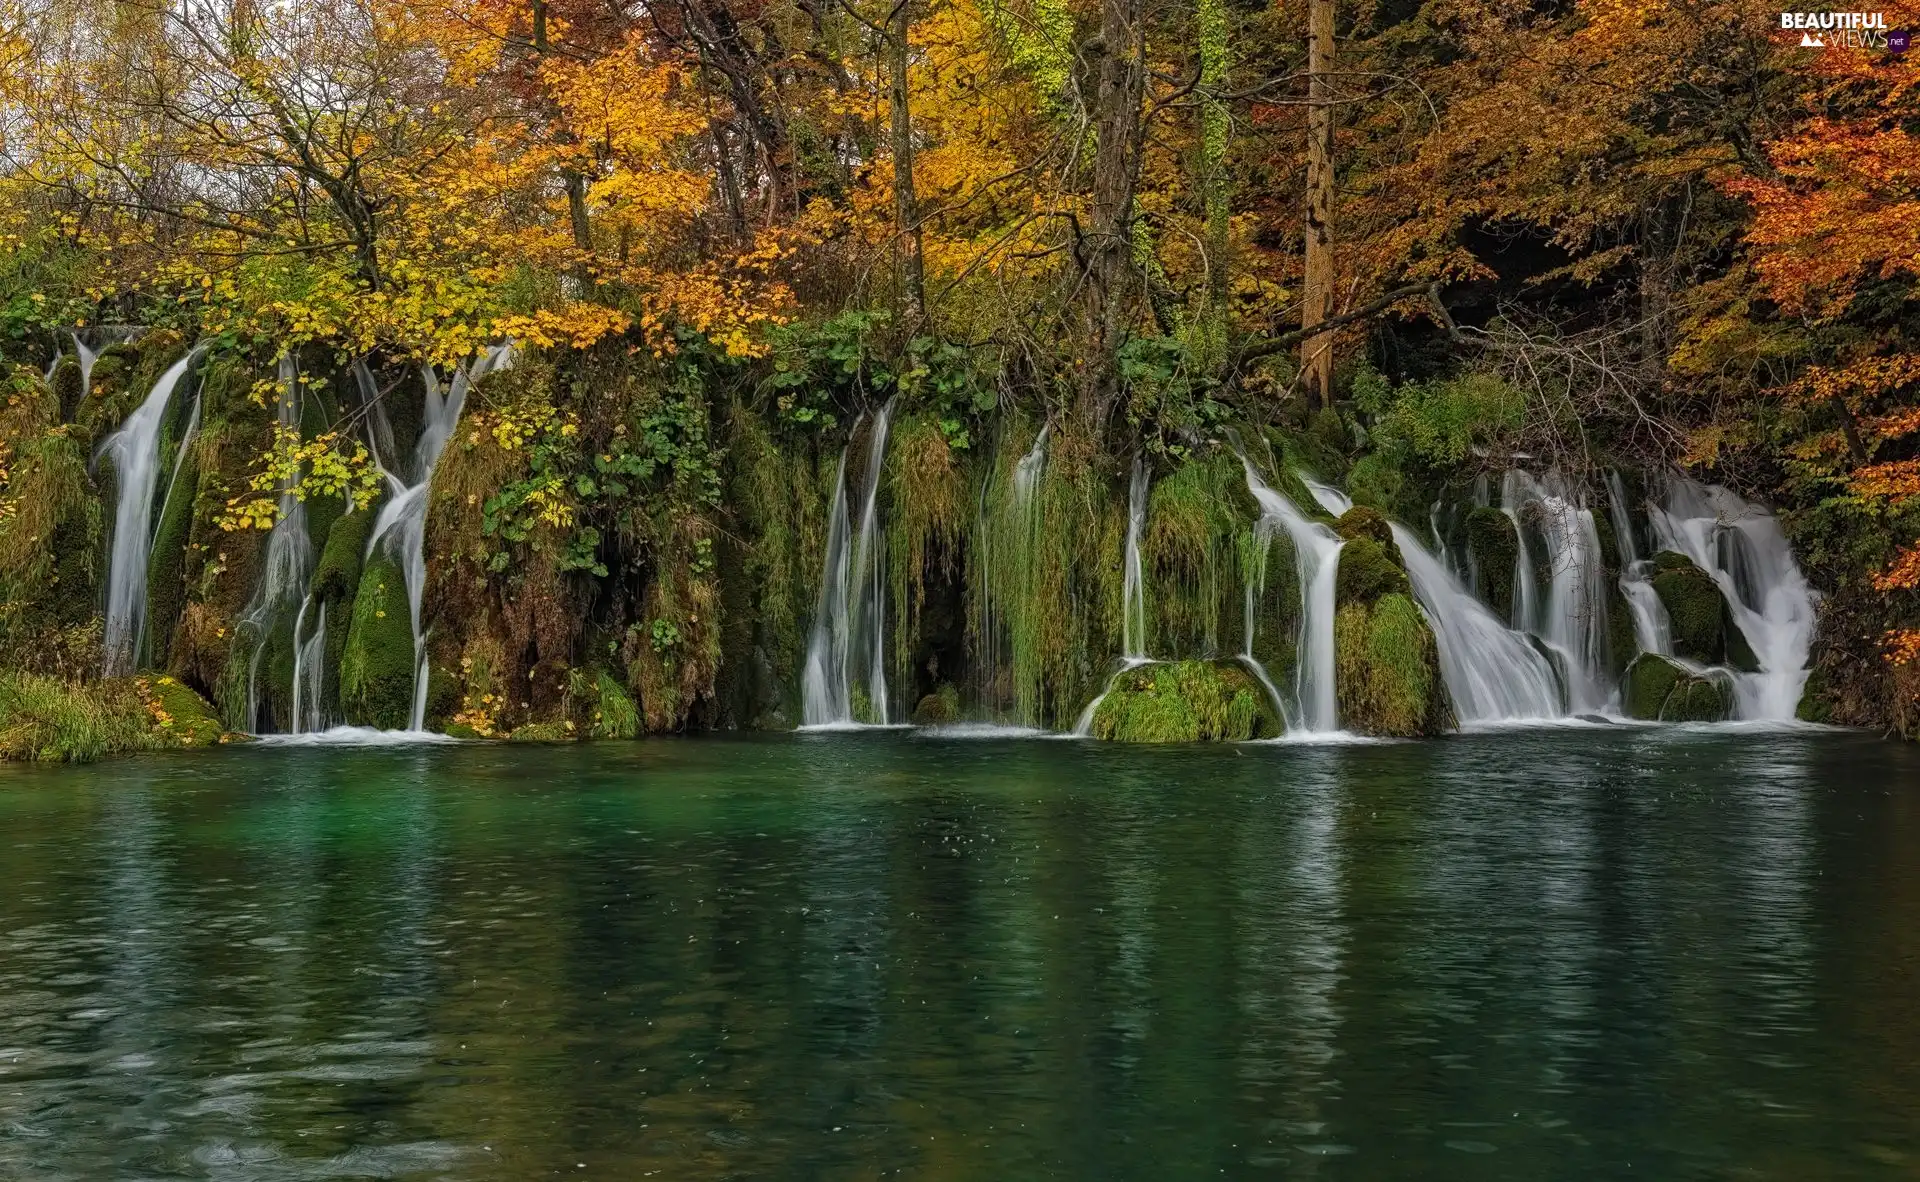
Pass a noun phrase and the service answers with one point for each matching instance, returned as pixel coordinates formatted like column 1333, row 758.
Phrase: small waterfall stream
column 1571, row 618
column 1133, row 592
column 288, row 568
column 1741, row 546
column 1315, row 705
column 401, row 526
column 1492, row 672
column 135, row 450
column 849, row 618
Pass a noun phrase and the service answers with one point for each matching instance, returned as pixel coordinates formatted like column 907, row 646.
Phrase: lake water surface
column 1550, row 954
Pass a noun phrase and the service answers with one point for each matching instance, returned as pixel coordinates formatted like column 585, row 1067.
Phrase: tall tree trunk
column 1215, row 187
column 576, row 184
column 1316, row 352
column 1106, row 246
column 907, row 236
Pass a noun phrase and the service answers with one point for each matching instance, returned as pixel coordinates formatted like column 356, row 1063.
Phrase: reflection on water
column 1568, row 954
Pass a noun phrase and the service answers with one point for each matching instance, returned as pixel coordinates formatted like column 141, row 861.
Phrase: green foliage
column 49, row 720
column 1442, row 421
column 614, row 714
column 1186, row 702
column 181, row 717
column 377, row 664
column 1198, row 520
column 543, row 732
column 1171, row 394
column 1387, row 669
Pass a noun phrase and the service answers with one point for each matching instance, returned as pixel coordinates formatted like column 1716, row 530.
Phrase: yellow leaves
column 329, row 465
column 576, row 325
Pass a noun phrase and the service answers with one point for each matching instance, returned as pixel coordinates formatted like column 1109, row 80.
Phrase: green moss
column 1495, row 546
column 66, row 386
column 377, row 664
column 1387, row 668
column 543, row 732
column 1376, row 483
column 1694, row 608
column 337, row 575
column 183, row 715
column 1363, row 521
column 939, row 707
column 1739, row 653
column 1191, row 552
column 1368, row 571
column 1661, row 690
column 166, row 583
column 1185, row 702
column 1816, row 699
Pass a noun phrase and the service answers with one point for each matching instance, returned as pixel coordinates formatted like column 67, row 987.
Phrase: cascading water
column 401, row 527
column 136, row 454
column 1335, row 502
column 1133, row 587
column 1571, row 619
column 1133, row 592
column 1314, row 708
column 849, row 621
column 1652, row 631
column 1740, row 545
column 288, row 568
column 1492, row 672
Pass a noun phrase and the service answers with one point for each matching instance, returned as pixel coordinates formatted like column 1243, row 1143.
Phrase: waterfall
column 1572, row 618
column 135, row 450
column 288, row 568
column 401, row 527
column 1492, row 672
column 1006, row 546
column 1263, row 531
column 309, row 683
column 1133, row 590
column 1740, row 545
column 1335, row 502
column 1133, row 593
column 849, row 619
column 1317, row 550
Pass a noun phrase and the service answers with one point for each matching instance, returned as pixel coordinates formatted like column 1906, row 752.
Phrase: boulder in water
column 1659, row 689
column 938, row 708
column 1495, row 547
column 1387, row 668
column 1695, row 611
column 1368, row 571
column 1186, row 702
column 1364, row 522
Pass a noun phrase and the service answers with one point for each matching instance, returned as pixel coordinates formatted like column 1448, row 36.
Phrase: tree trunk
column 1105, row 247
column 576, row 184
column 1316, row 352
column 907, row 237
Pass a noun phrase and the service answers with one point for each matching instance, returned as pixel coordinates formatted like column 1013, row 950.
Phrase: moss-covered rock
column 1816, row 702
column 166, row 585
column 180, row 716
column 377, row 662
column 1663, row 690
column 1186, row 702
column 1495, row 546
column 337, row 575
column 544, row 732
column 1694, row 608
column 1364, row 521
column 1368, row 571
column 1387, row 668
column 938, row 708
column 66, row 387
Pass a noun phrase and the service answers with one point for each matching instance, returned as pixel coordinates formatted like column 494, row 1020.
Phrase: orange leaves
column 1902, row 646
column 1902, row 574
column 1896, row 480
